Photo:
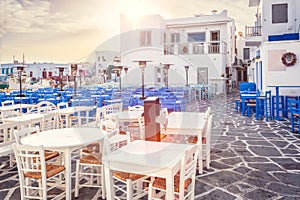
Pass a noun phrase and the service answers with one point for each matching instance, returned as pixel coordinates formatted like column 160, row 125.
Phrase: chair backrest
column 207, row 129
column 6, row 133
column 31, row 163
column 45, row 106
column 207, row 113
column 111, row 127
column 7, row 103
column 19, row 134
column 110, row 109
column 188, row 172
column 62, row 105
column 136, row 108
column 49, row 121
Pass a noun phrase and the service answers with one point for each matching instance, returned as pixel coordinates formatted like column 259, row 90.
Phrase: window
column 165, row 37
column 246, row 53
column 196, row 37
column 279, row 13
column 175, row 38
column 145, row 39
column 215, row 36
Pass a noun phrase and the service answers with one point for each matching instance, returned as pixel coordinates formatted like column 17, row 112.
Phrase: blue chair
column 294, row 109
column 268, row 105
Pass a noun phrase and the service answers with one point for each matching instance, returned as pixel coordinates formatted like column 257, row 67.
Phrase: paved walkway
column 251, row 159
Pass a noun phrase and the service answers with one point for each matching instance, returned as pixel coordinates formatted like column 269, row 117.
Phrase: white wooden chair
column 205, row 141
column 19, row 134
column 136, row 108
column 9, row 113
column 89, row 169
column 35, row 174
column 7, row 103
column 126, row 185
column 49, row 121
column 7, row 139
column 109, row 110
column 43, row 107
column 184, row 180
column 73, row 120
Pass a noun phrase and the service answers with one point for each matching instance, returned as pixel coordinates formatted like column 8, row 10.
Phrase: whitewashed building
column 204, row 43
column 265, row 45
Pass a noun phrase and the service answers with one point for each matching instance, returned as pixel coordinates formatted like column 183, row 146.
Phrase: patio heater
column 166, row 68
column 126, row 70
column 142, row 65
column 61, row 70
column 186, row 75
column 74, row 68
column 104, row 75
column 118, row 69
column 80, row 73
column 20, row 71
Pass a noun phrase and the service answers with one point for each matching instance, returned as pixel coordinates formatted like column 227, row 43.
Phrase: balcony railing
column 252, row 31
column 214, row 47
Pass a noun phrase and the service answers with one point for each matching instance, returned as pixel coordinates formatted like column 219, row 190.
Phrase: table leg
column 108, row 182
column 68, row 174
column 170, row 186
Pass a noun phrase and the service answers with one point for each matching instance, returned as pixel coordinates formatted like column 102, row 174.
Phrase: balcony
column 253, row 31
column 214, row 47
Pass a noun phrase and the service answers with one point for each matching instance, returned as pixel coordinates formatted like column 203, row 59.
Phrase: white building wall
column 292, row 26
column 287, row 77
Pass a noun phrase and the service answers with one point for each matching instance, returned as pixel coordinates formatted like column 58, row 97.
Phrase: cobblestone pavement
column 251, row 159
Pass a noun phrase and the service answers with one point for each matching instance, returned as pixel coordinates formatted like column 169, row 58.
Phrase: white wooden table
column 27, row 119
column 65, row 140
column 4, row 109
column 185, row 123
column 128, row 116
column 157, row 159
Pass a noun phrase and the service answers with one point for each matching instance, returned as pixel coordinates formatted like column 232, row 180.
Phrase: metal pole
column 143, row 96
column 20, row 72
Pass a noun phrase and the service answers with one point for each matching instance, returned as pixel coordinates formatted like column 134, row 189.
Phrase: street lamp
column 126, row 70
column 118, row 69
column 142, row 65
column 166, row 68
column 186, row 75
column 104, row 75
column 20, row 69
column 61, row 73
column 74, row 68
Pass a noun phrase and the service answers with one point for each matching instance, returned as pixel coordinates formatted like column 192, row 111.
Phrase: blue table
column 277, row 117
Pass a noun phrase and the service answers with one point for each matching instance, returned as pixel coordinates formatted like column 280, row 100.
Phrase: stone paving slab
column 251, row 159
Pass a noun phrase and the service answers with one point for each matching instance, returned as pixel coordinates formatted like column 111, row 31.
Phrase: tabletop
column 186, row 121
column 24, row 117
column 157, row 159
column 128, row 115
column 15, row 106
column 66, row 137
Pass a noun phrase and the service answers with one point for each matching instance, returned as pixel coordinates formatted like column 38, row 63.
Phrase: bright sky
column 68, row 30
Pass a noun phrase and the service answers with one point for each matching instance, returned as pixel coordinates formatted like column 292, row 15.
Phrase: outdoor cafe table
column 65, row 140
column 30, row 118
column 245, row 97
column 149, row 158
column 15, row 107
